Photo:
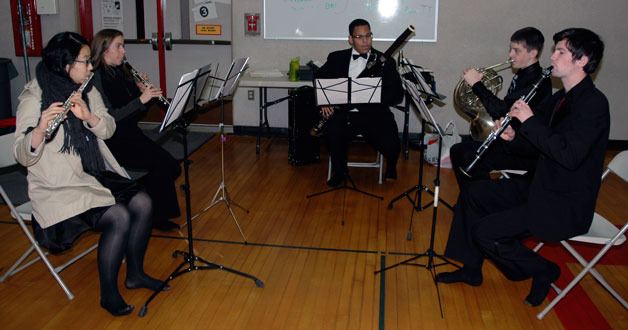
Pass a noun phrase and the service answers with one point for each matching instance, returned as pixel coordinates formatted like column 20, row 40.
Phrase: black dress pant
column 490, row 220
column 494, row 158
column 378, row 128
column 136, row 151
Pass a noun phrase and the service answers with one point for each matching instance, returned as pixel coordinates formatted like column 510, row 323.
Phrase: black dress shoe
column 473, row 278
column 391, row 174
column 166, row 225
column 541, row 284
column 336, row 180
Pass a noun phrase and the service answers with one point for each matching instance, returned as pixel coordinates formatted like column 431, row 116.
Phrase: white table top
column 271, row 82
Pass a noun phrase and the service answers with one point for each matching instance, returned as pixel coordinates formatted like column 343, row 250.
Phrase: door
column 166, row 39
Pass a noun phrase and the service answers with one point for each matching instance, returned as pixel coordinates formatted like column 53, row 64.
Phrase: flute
column 53, row 125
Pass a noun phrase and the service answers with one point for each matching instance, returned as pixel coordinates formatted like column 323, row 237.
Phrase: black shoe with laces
column 542, row 283
column 473, row 278
column 391, row 174
column 336, row 180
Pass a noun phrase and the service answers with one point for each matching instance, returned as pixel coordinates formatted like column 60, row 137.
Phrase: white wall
column 470, row 33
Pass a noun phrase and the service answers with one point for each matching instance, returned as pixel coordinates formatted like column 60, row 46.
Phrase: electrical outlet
column 251, row 95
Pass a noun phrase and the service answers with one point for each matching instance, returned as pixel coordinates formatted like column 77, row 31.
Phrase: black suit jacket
column 571, row 143
column 337, row 66
column 526, row 78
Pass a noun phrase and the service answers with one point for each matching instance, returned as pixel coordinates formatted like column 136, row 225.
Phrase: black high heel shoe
column 147, row 283
column 125, row 310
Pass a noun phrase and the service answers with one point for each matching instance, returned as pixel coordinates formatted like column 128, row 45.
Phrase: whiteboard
column 329, row 19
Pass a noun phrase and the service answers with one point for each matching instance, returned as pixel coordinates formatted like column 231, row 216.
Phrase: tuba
column 467, row 102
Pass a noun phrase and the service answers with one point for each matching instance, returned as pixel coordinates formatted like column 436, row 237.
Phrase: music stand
column 347, row 91
column 176, row 118
column 415, row 94
column 227, row 88
column 417, row 88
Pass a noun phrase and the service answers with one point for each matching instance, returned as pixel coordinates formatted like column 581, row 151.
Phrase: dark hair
column 531, row 37
column 583, row 42
column 358, row 22
column 102, row 41
column 62, row 49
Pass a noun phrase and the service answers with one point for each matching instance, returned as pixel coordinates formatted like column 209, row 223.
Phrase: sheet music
column 332, row 91
column 179, row 100
column 203, row 84
column 212, row 86
column 366, row 90
column 415, row 95
column 233, row 76
column 409, row 68
column 337, row 91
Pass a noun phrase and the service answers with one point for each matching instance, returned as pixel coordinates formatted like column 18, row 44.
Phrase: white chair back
column 602, row 232
column 619, row 165
column 6, row 150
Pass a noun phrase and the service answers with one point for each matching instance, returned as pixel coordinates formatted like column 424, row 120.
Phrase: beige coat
column 57, row 185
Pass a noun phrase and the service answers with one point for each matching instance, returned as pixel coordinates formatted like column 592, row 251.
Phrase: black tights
column 125, row 232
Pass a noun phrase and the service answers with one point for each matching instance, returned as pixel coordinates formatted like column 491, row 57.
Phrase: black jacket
column 571, row 144
column 526, row 78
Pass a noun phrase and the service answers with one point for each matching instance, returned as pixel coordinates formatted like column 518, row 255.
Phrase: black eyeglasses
column 363, row 36
column 86, row 62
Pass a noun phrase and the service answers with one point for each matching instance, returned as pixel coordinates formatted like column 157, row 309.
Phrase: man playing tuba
column 525, row 48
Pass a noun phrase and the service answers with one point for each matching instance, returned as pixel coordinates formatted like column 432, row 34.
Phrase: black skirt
column 61, row 236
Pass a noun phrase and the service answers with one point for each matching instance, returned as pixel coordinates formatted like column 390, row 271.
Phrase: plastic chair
column 21, row 214
column 602, row 232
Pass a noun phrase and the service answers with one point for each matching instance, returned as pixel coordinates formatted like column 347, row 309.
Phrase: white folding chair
column 378, row 163
column 22, row 213
column 602, row 232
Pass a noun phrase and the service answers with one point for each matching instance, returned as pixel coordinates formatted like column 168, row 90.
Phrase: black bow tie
column 356, row 56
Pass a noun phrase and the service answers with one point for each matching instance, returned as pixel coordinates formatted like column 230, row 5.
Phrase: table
column 263, row 84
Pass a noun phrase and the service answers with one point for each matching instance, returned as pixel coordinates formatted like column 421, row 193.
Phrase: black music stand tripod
column 190, row 259
column 227, row 88
column 430, row 254
column 351, row 186
column 416, row 87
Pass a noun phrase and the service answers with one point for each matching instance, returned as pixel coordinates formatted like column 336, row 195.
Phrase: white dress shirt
column 358, row 65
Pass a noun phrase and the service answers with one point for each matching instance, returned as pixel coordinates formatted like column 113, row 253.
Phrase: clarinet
column 504, row 123
column 138, row 77
column 53, row 125
column 377, row 61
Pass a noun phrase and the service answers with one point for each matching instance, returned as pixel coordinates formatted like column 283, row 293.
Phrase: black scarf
column 77, row 138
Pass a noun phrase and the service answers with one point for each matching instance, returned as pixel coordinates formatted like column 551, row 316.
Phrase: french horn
column 481, row 123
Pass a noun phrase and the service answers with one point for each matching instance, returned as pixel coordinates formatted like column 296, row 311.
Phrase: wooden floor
column 316, row 258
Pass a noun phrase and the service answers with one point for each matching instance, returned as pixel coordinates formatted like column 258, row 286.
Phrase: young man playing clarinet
column 569, row 133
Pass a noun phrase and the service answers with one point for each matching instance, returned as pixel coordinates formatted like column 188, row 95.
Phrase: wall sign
column 251, row 24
